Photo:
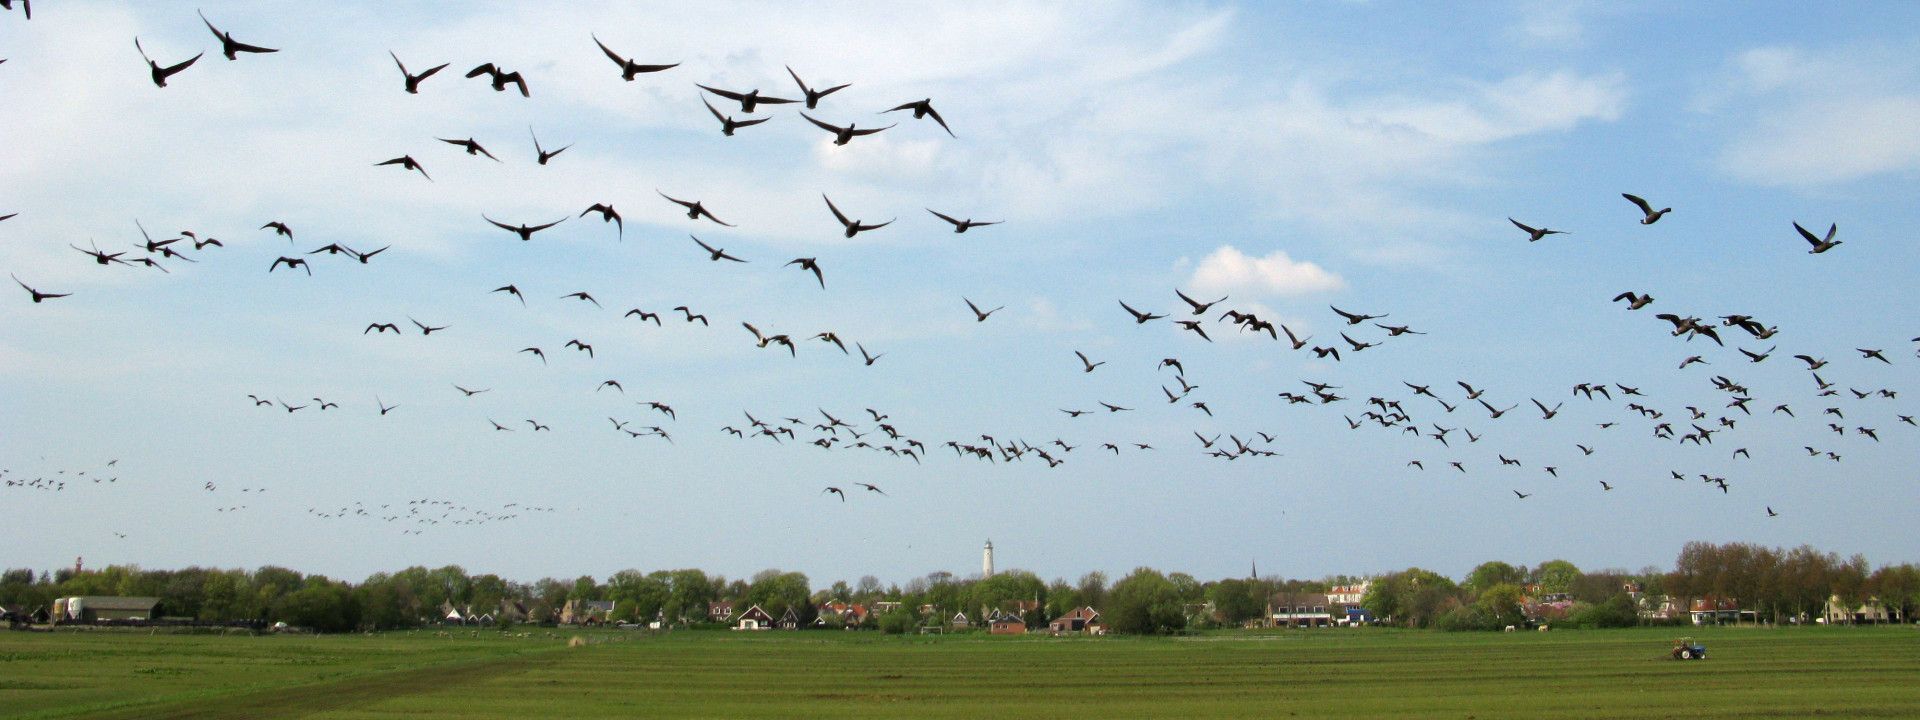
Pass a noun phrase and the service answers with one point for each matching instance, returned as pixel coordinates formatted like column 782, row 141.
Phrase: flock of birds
column 1431, row 412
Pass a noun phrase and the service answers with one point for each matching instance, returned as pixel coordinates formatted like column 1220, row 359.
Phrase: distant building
column 102, row 608
column 1716, row 610
column 754, row 619
column 587, row 612
column 790, row 620
column 986, row 560
column 1080, row 619
column 720, row 611
column 1299, row 610
column 1006, row 624
column 1348, row 595
column 959, row 621
column 1871, row 611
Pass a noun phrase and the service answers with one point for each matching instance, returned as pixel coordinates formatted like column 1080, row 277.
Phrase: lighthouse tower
column 986, row 560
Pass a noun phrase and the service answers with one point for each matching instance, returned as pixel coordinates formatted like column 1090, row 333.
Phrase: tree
column 1238, row 601
column 1412, row 597
column 1144, row 603
column 1491, row 573
column 1501, row 604
column 1093, row 589
column 1556, row 576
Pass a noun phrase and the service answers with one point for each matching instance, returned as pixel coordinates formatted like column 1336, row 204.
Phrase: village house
column 790, row 620
column 1080, row 619
column 1006, row 624
column 1717, row 610
column 754, row 619
column 959, row 621
column 720, row 611
column 1871, row 611
column 1348, row 595
column 1299, row 610
column 587, row 612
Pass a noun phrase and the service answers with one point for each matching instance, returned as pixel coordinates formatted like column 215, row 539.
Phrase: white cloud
column 1228, row 270
column 1811, row 119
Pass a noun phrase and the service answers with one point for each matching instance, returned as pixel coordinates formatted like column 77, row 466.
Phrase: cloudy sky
column 1364, row 155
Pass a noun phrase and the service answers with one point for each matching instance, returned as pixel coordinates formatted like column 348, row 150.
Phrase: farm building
column 1006, row 624
column 1300, row 610
column 754, row 619
column 98, row 608
column 586, row 612
column 1080, row 619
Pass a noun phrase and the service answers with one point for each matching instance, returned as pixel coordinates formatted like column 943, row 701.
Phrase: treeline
column 1778, row 584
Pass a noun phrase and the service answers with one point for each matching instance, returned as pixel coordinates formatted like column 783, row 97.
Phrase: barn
column 106, row 608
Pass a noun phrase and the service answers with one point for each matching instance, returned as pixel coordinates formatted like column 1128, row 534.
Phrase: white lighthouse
column 986, row 560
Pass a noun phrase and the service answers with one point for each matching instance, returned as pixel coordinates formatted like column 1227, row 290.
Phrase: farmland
column 1840, row 672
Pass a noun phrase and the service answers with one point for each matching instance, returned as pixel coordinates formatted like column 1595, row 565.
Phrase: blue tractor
column 1687, row 649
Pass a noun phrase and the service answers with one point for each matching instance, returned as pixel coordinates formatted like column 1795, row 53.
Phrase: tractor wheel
column 1686, row 654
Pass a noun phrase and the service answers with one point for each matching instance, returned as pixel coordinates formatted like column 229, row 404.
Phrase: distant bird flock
column 1835, row 415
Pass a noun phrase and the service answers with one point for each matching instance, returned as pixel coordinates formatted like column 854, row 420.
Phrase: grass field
column 1806, row 672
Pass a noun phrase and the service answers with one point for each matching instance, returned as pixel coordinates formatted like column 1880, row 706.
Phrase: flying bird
column 628, row 68
column 582, row 295
column 408, row 163
column 813, row 265
column 413, row 81
column 159, row 73
column 960, row 226
column 924, row 109
column 748, row 100
column 727, row 123
column 836, row 491
column 853, row 227
column 1090, row 365
column 544, row 154
column 1353, row 319
column 501, row 79
column 36, row 294
column 842, row 135
column 979, row 316
column 525, row 231
column 1652, row 215
column 291, row 263
column 1533, row 233
column 424, row 328
column 1634, row 302
column 231, row 47
column 607, row 215
column 813, row 96
column 1820, row 244
column 1140, row 318
column 868, row 359
column 472, row 148
column 717, row 255
column 695, row 209
column 512, row 290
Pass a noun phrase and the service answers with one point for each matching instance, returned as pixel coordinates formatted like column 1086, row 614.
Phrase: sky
column 1289, row 157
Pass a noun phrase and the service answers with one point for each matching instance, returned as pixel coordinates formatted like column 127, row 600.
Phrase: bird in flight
column 279, row 228
column 727, row 123
column 472, row 148
column 582, row 295
column 543, row 153
column 1522, row 495
column 413, row 81
column 960, row 226
column 813, row 265
column 408, row 163
column 1199, row 308
column 160, row 74
column 924, row 109
column 1089, row 365
column 868, row 359
column 1652, row 215
column 608, row 215
column 424, row 328
column 1353, row 319
column 748, row 100
column 381, row 327
column 40, row 296
column 841, row 135
column 979, row 316
column 813, row 96
column 628, row 68
column 501, row 79
column 1634, row 302
column 525, row 231
column 291, row 263
column 1139, row 318
column 1820, row 244
column 853, row 227
column 471, row 393
column 514, row 291
column 1533, row 233
column 836, row 491
column 717, row 255
column 694, row 209
column 231, row 47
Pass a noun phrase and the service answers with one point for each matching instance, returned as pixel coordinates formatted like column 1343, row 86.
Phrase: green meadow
column 1752, row 673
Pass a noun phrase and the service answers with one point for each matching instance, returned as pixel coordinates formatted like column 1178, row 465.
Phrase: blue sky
column 1365, row 155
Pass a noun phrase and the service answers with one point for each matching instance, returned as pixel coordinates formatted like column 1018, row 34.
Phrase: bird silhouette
column 924, row 109
column 813, row 96
column 695, row 210
column 1820, row 244
column 524, row 230
column 413, row 81
column 842, row 135
column 979, row 316
column 231, row 47
column 727, row 123
column 408, row 163
column 1651, row 215
column 853, row 227
column 1534, row 234
column 161, row 73
column 628, row 68
column 501, row 78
